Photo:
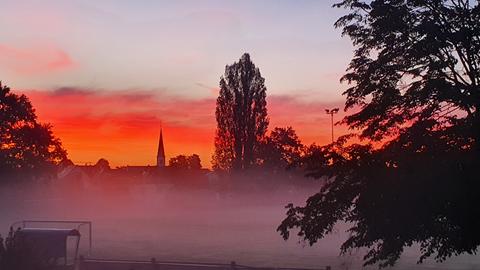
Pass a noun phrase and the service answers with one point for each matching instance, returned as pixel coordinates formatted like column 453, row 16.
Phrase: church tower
column 160, row 152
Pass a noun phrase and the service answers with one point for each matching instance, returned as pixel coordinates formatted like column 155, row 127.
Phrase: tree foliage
column 102, row 165
column 241, row 115
column 415, row 79
column 26, row 146
column 185, row 162
column 281, row 148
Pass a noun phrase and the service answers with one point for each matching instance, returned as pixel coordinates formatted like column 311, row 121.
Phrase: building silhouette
column 160, row 152
column 124, row 178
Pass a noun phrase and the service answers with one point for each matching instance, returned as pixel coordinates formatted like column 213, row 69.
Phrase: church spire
column 161, row 151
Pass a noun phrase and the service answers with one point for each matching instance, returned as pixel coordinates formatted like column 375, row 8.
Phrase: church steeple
column 161, row 151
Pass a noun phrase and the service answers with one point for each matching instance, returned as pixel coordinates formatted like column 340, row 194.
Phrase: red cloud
column 123, row 126
column 27, row 61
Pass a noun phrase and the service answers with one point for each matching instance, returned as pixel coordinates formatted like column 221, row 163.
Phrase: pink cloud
column 213, row 90
column 34, row 60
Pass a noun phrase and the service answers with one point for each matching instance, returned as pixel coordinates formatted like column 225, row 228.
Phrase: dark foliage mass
column 185, row 162
column 241, row 115
column 26, row 146
column 281, row 149
column 415, row 79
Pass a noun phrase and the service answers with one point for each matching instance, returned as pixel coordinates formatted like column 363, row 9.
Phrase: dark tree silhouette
column 282, row 148
column 241, row 114
column 185, row 162
column 415, row 77
column 102, row 165
column 26, row 146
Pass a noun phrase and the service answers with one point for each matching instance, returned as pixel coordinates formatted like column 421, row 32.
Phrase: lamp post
column 332, row 112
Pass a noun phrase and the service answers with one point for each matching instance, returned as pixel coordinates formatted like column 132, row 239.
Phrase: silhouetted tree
column 415, row 77
column 102, row 165
column 26, row 146
column 185, row 162
column 241, row 115
column 282, row 148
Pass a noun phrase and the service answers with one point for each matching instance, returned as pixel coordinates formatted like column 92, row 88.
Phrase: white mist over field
column 196, row 225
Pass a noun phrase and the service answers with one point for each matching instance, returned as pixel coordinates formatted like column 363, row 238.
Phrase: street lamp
column 332, row 112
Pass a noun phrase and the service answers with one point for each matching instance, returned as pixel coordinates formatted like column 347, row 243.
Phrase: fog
column 190, row 224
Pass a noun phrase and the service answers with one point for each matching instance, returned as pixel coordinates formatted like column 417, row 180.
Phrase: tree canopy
column 26, row 146
column 241, row 115
column 415, row 82
column 281, row 148
column 185, row 162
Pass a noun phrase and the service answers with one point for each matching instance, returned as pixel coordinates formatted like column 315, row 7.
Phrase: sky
column 108, row 74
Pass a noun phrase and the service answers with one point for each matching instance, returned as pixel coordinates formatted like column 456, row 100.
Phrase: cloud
column 123, row 125
column 34, row 60
column 212, row 90
column 71, row 91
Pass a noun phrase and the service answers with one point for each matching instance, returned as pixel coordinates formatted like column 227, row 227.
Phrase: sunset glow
column 123, row 126
column 239, row 134
column 108, row 75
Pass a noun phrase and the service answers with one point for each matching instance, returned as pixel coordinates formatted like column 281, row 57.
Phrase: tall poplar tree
column 241, row 115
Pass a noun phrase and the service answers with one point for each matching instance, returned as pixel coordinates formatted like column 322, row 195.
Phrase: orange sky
column 123, row 125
